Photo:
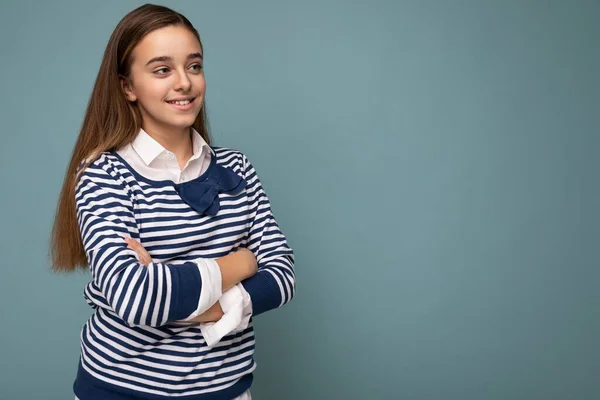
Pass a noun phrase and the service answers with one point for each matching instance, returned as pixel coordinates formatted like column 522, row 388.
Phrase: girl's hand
column 136, row 246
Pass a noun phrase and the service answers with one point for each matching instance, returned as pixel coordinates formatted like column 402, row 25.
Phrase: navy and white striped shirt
column 132, row 346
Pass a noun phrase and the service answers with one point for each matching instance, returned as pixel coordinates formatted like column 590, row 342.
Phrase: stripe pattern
column 133, row 343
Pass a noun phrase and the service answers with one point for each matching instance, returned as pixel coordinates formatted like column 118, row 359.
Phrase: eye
column 160, row 69
column 199, row 66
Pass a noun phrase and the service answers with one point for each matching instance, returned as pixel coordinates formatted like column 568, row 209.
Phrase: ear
column 126, row 86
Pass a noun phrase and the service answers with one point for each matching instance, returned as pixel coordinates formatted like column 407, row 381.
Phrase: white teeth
column 181, row 103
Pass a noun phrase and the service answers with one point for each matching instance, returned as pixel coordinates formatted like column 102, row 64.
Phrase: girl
column 179, row 236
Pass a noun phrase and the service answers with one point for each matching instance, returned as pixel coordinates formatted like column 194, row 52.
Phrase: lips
column 179, row 101
column 182, row 106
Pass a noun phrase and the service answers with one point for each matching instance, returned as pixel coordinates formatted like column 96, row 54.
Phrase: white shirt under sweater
column 154, row 162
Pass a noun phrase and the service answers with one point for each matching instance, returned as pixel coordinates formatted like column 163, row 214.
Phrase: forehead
column 173, row 41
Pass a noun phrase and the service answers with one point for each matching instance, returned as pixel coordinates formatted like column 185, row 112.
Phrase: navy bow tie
column 202, row 193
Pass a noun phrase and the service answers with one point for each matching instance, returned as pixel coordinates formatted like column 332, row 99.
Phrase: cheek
column 200, row 83
column 154, row 90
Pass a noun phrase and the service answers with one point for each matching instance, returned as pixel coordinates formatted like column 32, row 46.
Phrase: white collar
column 149, row 149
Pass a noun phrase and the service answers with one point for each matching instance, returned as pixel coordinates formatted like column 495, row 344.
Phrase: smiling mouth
column 182, row 102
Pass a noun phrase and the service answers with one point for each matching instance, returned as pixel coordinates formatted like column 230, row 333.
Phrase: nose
column 183, row 83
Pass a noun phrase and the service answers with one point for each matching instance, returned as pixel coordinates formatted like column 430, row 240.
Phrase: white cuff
column 212, row 281
column 237, row 310
column 247, row 311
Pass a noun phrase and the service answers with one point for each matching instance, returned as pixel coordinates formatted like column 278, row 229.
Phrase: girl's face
column 167, row 66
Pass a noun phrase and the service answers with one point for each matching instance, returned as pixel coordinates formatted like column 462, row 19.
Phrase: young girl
column 179, row 236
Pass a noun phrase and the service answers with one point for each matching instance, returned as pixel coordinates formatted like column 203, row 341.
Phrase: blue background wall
column 434, row 164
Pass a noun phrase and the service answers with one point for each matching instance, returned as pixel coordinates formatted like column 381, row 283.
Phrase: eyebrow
column 167, row 58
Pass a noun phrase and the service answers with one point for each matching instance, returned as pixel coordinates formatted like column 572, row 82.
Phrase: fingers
column 143, row 255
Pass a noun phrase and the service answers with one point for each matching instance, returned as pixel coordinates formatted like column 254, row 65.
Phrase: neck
column 177, row 141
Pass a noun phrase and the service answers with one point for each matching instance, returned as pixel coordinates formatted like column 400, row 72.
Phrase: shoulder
column 240, row 164
column 231, row 158
column 227, row 153
column 105, row 171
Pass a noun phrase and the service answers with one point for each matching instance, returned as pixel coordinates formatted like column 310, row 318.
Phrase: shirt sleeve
column 210, row 274
column 275, row 282
column 247, row 310
column 149, row 295
column 236, row 316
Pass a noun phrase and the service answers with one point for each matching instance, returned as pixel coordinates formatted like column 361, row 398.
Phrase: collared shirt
column 152, row 160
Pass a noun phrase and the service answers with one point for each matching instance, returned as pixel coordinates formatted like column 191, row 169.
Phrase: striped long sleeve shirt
column 133, row 345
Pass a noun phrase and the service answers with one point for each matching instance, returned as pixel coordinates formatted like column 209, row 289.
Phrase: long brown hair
column 110, row 122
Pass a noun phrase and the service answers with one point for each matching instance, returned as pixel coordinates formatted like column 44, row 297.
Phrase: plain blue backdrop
column 434, row 165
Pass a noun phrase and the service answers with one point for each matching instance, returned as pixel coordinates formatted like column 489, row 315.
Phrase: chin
column 183, row 122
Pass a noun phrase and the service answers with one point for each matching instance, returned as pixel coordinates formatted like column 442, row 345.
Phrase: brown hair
column 110, row 122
